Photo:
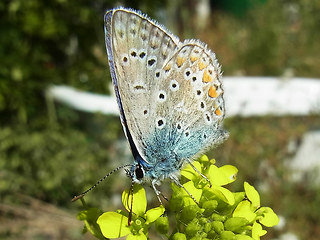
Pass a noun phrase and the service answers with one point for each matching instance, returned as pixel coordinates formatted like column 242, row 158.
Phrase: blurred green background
column 46, row 159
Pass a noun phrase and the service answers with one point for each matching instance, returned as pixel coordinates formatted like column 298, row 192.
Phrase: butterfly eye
column 139, row 172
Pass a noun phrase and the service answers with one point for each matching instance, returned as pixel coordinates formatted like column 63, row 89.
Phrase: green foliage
column 89, row 217
column 218, row 213
column 40, row 163
column 45, row 43
column 135, row 226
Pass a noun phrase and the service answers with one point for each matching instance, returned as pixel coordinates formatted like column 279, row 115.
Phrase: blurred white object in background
column 244, row 96
column 305, row 164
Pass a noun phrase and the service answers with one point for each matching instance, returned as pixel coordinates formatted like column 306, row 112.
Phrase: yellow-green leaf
column 223, row 175
column 244, row 210
column 113, row 225
column 204, row 158
column 139, row 200
column 252, row 195
column 230, row 172
column 269, row 219
column 154, row 213
column 257, row 231
column 195, row 192
column 243, row 237
column 235, row 223
column 223, row 193
column 189, row 172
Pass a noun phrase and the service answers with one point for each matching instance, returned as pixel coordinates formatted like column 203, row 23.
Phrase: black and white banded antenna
column 97, row 183
column 130, row 205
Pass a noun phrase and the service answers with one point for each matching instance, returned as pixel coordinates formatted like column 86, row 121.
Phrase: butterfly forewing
column 139, row 48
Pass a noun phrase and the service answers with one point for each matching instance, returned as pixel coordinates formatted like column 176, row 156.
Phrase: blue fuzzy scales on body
column 167, row 150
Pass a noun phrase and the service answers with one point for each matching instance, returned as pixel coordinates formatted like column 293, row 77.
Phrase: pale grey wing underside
column 139, row 49
column 193, row 96
column 163, row 82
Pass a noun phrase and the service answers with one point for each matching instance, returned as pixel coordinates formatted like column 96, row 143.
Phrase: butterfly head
column 136, row 173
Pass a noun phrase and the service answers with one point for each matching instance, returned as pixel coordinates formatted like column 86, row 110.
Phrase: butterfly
column 169, row 94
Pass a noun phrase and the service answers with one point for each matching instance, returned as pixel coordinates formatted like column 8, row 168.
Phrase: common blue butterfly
column 169, row 93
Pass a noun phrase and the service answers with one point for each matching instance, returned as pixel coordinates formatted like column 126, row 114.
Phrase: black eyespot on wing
column 202, row 105
column 161, row 96
column 208, row 117
column 138, row 87
column 151, row 62
column 142, row 55
column 133, row 54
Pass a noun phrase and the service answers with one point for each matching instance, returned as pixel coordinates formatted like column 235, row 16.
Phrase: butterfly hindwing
column 188, row 106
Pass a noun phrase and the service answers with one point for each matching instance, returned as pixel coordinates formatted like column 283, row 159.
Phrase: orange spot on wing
column 167, row 67
column 206, row 77
column 218, row 112
column 213, row 92
column 180, row 61
column 194, row 58
column 202, row 65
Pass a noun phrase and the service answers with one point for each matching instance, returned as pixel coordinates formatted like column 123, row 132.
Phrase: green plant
column 218, row 213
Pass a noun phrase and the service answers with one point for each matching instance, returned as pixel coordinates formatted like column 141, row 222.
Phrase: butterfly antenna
column 97, row 183
column 131, row 204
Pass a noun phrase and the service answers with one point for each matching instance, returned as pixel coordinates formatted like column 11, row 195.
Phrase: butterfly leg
column 164, row 197
column 158, row 193
column 194, row 168
column 176, row 181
